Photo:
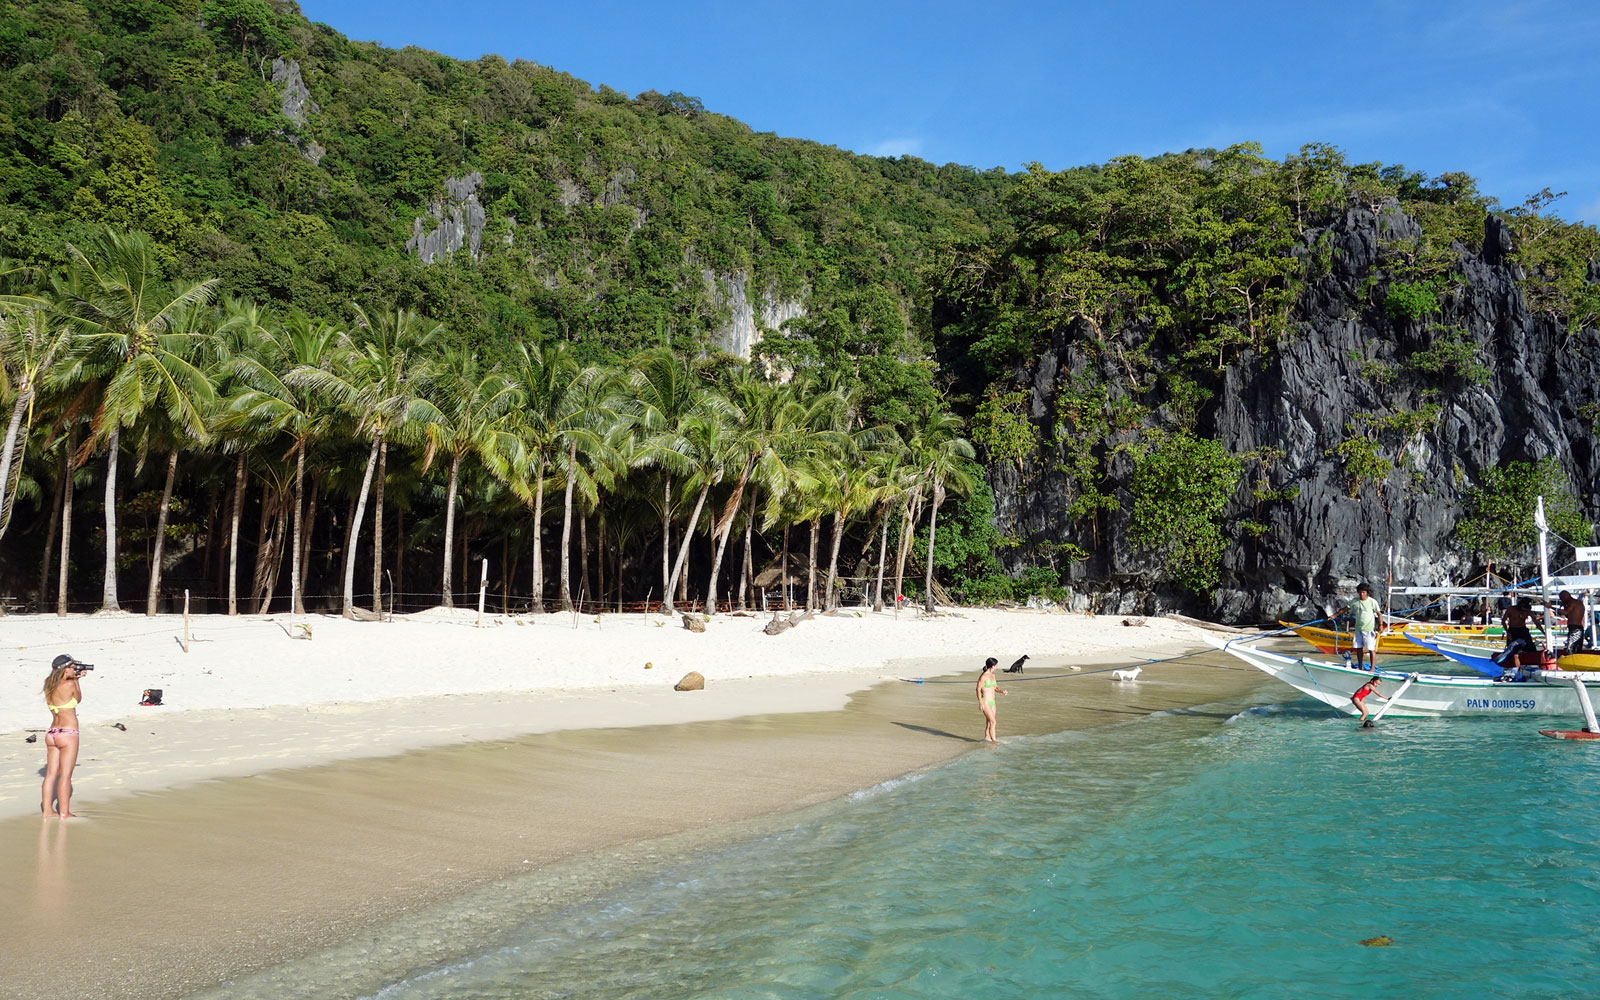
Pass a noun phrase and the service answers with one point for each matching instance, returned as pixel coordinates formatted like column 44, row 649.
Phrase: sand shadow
column 936, row 732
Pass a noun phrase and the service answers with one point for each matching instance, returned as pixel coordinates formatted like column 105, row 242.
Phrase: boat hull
column 1390, row 643
column 1430, row 695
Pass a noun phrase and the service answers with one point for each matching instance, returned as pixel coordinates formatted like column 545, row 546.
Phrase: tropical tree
column 31, row 339
column 584, row 416
column 373, row 378
column 122, row 312
column 470, row 419
column 940, row 455
column 542, row 371
column 662, row 390
column 267, row 400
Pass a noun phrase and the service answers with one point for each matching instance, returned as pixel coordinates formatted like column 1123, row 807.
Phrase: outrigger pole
column 1591, row 726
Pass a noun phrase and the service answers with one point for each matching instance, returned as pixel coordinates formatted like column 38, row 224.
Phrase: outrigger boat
column 1543, row 689
column 1480, row 657
column 1544, row 692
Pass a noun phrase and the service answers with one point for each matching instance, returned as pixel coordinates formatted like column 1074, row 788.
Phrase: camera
column 84, row 668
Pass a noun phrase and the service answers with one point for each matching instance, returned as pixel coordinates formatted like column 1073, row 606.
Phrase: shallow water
column 1185, row 854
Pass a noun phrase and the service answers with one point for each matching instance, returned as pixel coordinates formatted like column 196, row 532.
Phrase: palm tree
column 709, row 448
column 191, row 336
column 938, row 452
column 543, row 372
column 585, row 416
column 471, row 408
column 242, row 333
column 663, row 391
column 30, row 341
column 372, row 378
column 268, row 401
column 122, row 314
column 848, row 489
column 891, row 482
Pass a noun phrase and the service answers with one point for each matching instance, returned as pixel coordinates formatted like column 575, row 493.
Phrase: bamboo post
column 186, row 619
column 483, row 586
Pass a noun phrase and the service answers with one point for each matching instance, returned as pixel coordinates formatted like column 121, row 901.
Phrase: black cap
column 61, row 661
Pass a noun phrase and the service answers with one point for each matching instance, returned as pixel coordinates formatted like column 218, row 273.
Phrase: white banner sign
column 1589, row 554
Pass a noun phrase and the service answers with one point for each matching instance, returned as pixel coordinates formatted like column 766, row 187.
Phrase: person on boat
column 986, row 690
column 1518, row 638
column 1365, row 691
column 1365, row 616
column 1577, row 615
column 61, row 695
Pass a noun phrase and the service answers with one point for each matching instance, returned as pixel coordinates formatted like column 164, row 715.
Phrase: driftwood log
column 780, row 625
column 693, row 623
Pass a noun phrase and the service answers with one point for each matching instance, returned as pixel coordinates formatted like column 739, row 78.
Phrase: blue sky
column 1508, row 92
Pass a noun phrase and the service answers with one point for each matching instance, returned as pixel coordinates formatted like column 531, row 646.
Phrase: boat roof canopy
column 1588, row 581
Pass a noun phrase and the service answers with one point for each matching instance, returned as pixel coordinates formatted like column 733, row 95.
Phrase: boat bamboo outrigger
column 1543, row 688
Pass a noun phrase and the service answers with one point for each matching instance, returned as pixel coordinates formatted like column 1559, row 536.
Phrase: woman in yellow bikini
column 61, row 696
column 986, row 690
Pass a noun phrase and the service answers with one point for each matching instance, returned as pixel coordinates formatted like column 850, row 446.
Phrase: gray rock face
column 297, row 106
column 743, row 328
column 1299, row 398
column 460, row 220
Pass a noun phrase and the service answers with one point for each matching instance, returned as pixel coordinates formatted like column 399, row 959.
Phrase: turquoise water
column 1183, row 855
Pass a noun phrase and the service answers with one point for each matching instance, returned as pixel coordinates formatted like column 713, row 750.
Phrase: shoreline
column 250, row 698
column 218, row 861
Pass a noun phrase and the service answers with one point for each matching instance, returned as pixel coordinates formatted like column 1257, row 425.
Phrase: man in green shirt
column 1366, row 616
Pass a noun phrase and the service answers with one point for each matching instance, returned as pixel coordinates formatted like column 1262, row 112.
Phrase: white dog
column 1127, row 675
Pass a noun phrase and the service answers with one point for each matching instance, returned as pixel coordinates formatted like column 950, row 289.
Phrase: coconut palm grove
column 290, row 321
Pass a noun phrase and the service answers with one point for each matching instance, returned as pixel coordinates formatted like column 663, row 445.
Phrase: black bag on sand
column 152, row 696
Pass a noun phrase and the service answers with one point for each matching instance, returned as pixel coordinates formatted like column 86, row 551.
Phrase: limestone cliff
column 1347, row 366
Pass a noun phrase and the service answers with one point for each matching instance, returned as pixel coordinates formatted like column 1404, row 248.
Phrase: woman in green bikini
column 986, row 689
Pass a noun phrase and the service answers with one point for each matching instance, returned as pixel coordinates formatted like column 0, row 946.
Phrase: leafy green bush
column 1452, row 354
column 1362, row 463
column 1499, row 512
column 1411, row 300
column 1180, row 489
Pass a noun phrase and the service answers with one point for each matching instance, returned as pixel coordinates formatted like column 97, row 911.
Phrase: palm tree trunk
column 6, row 453
column 305, row 551
column 377, row 529
column 297, row 603
column 788, row 603
column 108, row 586
column 538, row 539
column 355, row 530
column 583, row 558
column 66, row 534
column 883, row 547
column 745, row 571
column 600, row 561
column 50, row 533
column 271, row 562
column 449, row 601
column 161, row 536
column 683, row 548
column 811, row 565
column 397, row 589
column 829, row 598
column 566, row 529
column 900, row 554
column 933, row 523
column 666, row 542
column 233, row 537
column 724, row 529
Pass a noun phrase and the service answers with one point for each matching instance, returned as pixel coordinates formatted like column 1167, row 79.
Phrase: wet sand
column 166, row 894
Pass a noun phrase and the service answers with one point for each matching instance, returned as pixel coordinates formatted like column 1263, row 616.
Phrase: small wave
column 884, row 786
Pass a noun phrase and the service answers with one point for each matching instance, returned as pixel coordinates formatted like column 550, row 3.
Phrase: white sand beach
column 253, row 693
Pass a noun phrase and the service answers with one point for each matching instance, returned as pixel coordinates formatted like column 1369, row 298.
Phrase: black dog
column 1016, row 668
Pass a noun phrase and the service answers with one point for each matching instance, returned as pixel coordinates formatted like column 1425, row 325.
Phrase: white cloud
column 906, row 146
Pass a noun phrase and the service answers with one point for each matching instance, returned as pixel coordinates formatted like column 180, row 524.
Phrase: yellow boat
column 1391, row 641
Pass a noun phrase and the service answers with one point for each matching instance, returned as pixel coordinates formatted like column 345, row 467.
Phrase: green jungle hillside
column 303, row 288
